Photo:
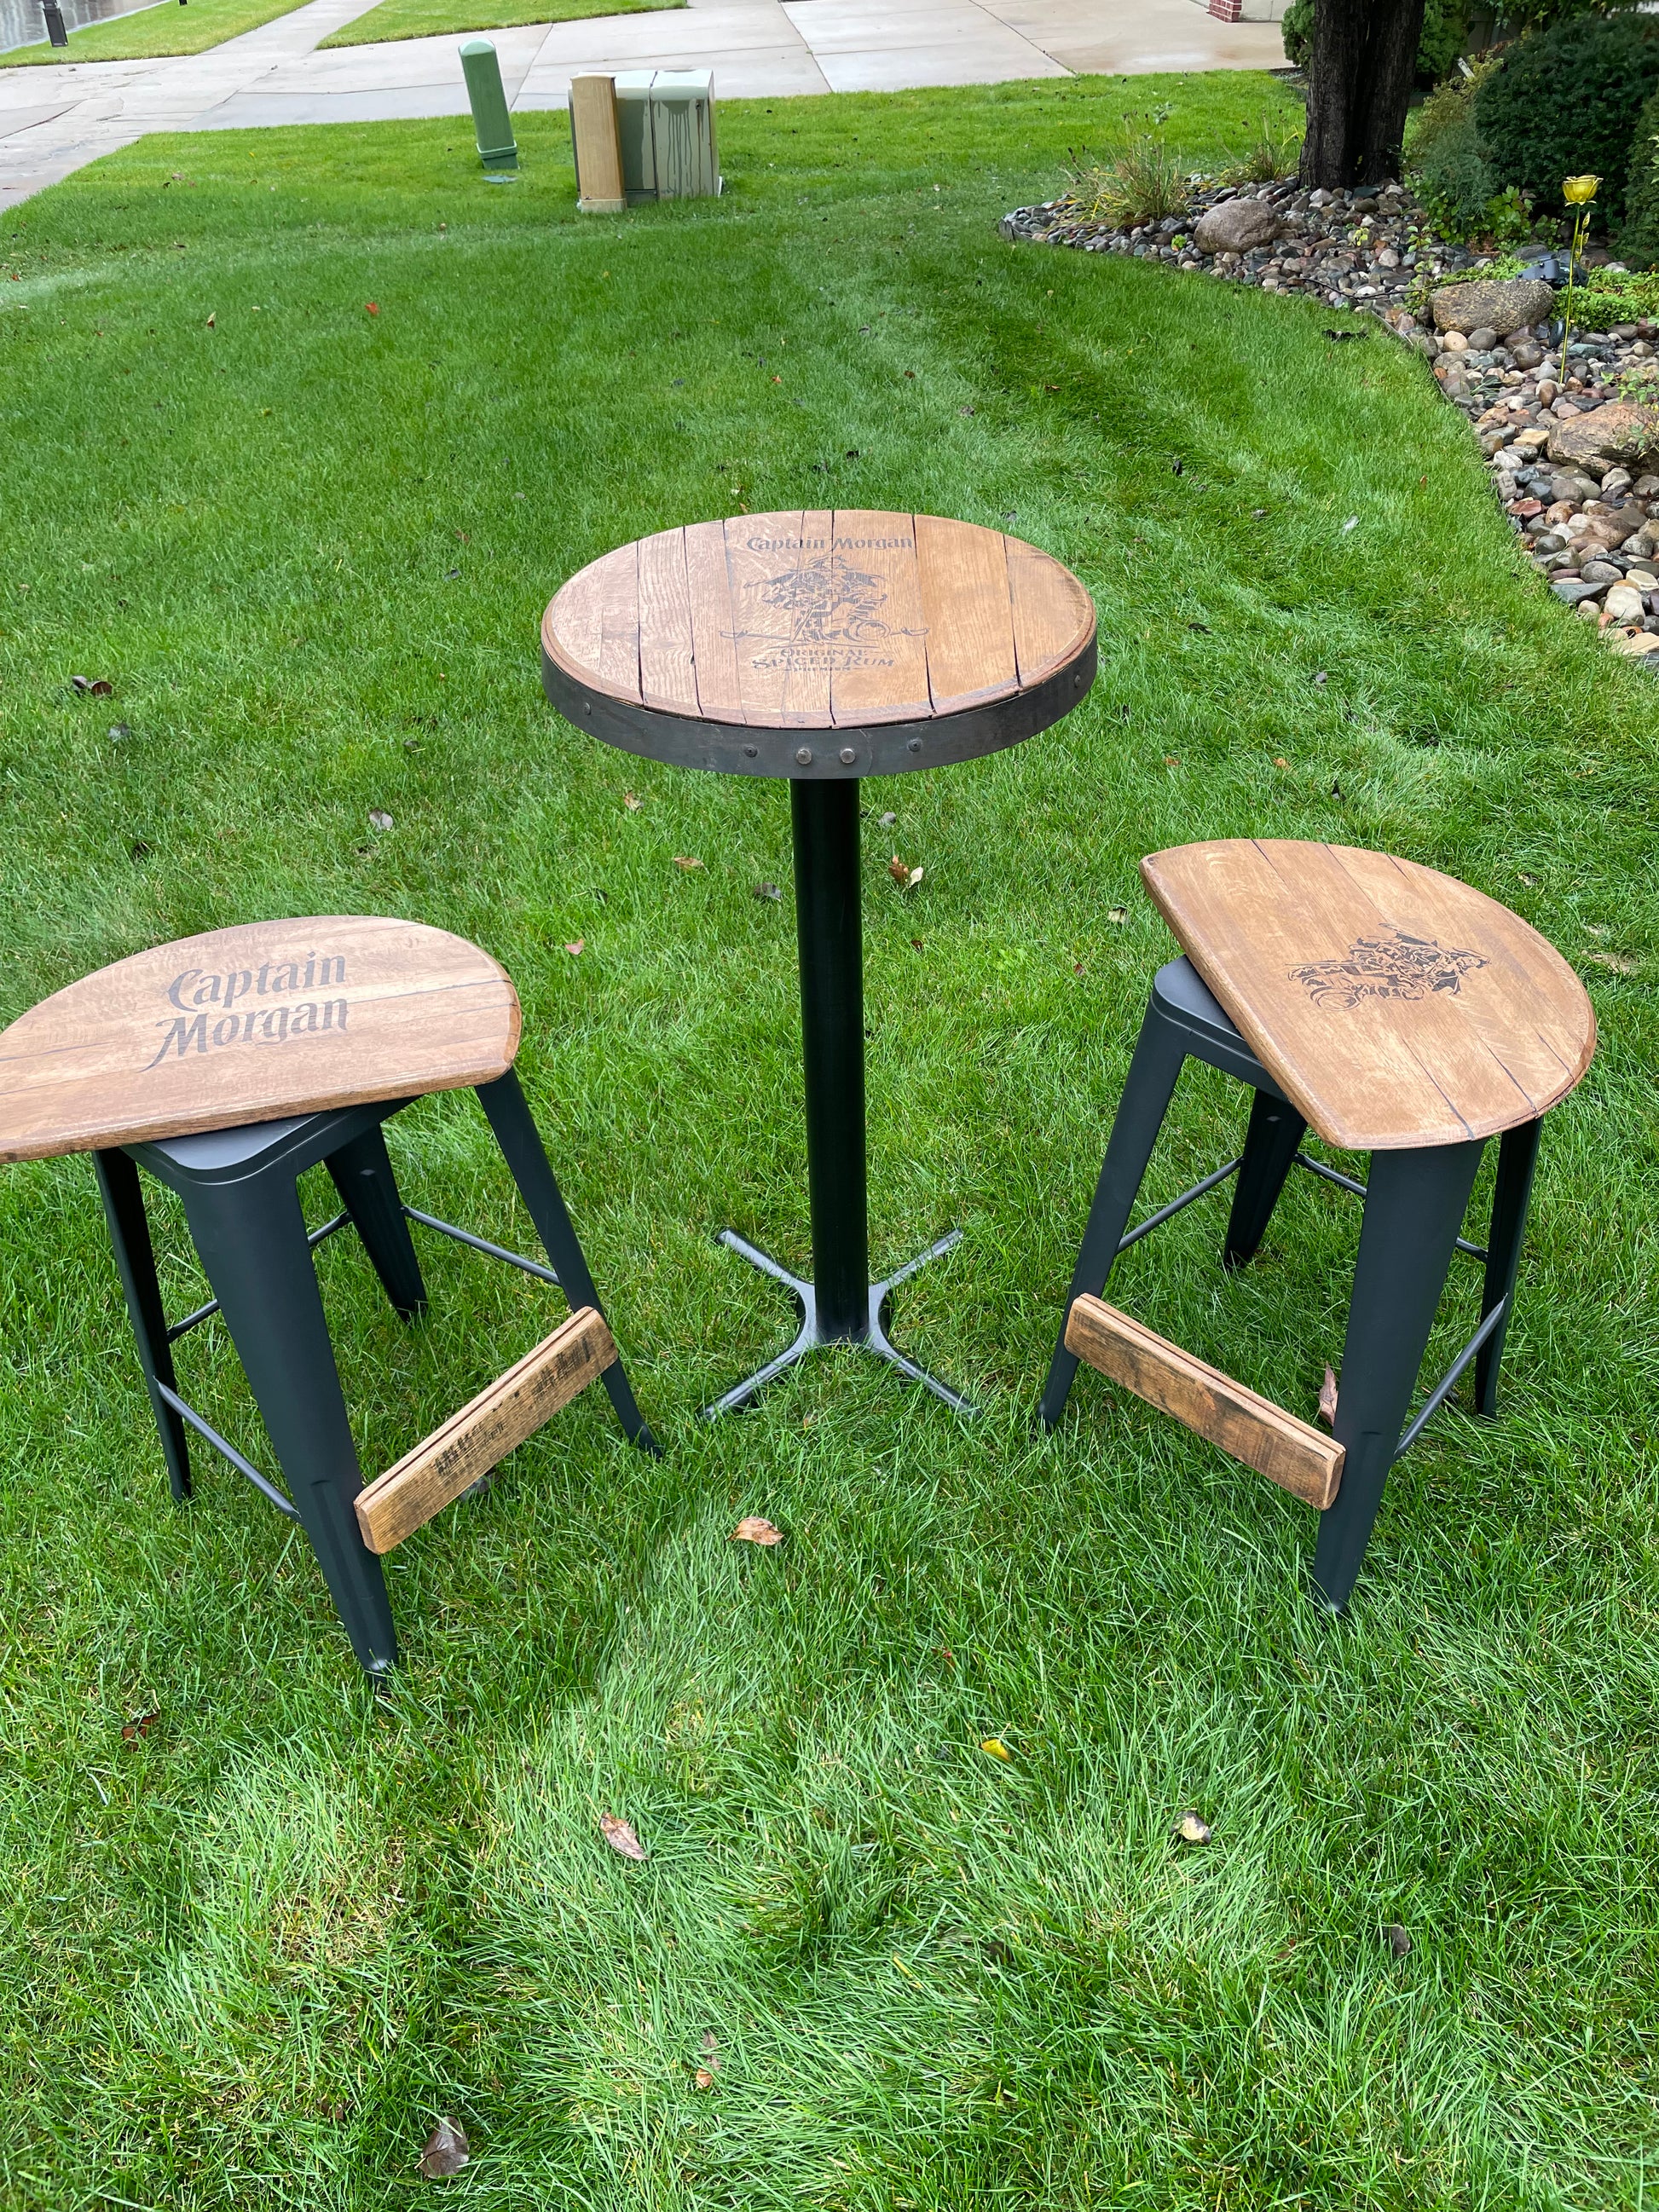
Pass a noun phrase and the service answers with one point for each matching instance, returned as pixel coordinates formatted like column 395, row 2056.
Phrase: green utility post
column 490, row 120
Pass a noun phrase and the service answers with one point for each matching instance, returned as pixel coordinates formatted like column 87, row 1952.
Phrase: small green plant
column 1620, row 296
column 1270, row 154
column 1640, row 384
column 1139, row 181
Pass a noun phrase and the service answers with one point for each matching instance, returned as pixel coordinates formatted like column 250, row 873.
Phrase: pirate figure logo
column 825, row 617
column 1395, row 966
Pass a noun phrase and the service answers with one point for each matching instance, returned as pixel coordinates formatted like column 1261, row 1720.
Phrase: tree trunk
column 1360, row 81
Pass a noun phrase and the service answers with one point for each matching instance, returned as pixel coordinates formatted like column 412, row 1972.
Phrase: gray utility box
column 665, row 122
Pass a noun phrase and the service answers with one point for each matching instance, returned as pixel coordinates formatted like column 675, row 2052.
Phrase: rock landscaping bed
column 1576, row 465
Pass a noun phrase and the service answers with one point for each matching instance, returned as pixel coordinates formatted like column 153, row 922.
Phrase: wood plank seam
column 485, row 1430
column 1289, row 1452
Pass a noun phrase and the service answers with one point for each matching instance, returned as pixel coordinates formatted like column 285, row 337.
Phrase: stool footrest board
column 1297, row 1457
column 470, row 1443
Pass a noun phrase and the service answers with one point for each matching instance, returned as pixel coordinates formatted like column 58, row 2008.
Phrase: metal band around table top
column 830, row 754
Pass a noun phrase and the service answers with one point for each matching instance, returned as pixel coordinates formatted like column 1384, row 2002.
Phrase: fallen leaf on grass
column 1616, row 961
column 632, row 804
column 768, row 891
column 996, row 1747
column 753, row 1528
column 685, row 860
column 1118, row 914
column 445, row 2152
column 1327, row 1399
column 378, row 818
column 703, row 2078
column 905, row 877
column 211, row 320
column 371, row 307
column 575, row 950
column 1190, row 1829
column 1398, row 1942
column 139, row 1725
column 93, row 687
column 1280, row 761
column 619, row 1834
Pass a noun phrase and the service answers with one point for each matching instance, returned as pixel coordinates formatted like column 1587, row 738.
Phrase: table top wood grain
column 251, row 1025
column 878, row 641
column 1394, row 1005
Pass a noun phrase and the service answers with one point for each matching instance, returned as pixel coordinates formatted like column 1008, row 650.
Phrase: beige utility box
column 645, row 134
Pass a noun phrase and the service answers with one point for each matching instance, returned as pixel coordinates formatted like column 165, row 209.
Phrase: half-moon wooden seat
column 1394, row 1005
column 227, row 1064
column 1391, row 1010
column 244, row 1024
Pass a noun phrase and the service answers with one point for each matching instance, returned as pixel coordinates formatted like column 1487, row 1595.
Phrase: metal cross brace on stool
column 222, row 1445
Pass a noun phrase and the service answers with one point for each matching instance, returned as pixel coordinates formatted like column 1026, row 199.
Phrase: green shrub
column 1450, row 170
column 1638, row 236
column 1608, row 299
column 1566, row 101
column 1445, row 28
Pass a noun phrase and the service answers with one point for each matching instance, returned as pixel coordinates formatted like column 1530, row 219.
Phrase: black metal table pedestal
column 840, row 1304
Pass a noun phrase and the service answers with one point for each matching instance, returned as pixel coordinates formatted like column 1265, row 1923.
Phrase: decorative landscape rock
column 1618, row 433
column 1561, row 440
column 1236, row 225
column 1496, row 306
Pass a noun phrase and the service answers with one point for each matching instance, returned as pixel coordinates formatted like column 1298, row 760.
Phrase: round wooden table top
column 824, row 644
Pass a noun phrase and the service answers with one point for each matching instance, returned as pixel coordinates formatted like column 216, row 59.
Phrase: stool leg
column 252, row 1240
column 135, row 1259
column 368, row 1190
column 1517, row 1156
column 1276, row 1129
column 515, row 1126
column 1413, row 1211
column 1153, row 1071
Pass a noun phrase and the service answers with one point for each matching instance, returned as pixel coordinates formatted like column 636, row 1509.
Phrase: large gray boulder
column 1501, row 305
column 1236, row 225
column 1618, row 435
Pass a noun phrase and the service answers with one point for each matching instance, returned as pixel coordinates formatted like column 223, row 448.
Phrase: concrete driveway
column 55, row 121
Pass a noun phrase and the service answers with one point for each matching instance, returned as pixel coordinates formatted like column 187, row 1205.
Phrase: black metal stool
column 1241, row 908
column 399, row 997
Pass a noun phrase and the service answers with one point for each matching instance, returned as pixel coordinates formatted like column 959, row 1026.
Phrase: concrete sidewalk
column 53, row 121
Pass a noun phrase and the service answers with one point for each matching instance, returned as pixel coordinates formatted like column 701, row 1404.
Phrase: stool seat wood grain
column 842, row 621
column 1394, row 1006
column 247, row 1025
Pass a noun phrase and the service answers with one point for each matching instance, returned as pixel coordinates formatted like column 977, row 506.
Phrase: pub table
column 822, row 648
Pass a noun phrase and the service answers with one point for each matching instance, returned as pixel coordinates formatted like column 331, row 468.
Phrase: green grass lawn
column 426, row 19
column 252, row 1950
column 165, row 29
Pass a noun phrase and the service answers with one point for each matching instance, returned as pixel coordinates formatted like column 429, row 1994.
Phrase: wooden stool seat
column 247, row 1025
column 1392, row 1005
column 228, row 1065
column 1392, row 1011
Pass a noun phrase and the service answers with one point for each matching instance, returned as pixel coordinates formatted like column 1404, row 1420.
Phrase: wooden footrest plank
column 1297, row 1457
column 470, row 1443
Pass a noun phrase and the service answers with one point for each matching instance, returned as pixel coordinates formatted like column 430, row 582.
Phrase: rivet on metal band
column 803, row 757
column 847, row 756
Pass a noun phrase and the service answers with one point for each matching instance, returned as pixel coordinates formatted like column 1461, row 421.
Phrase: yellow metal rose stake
column 1577, row 193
